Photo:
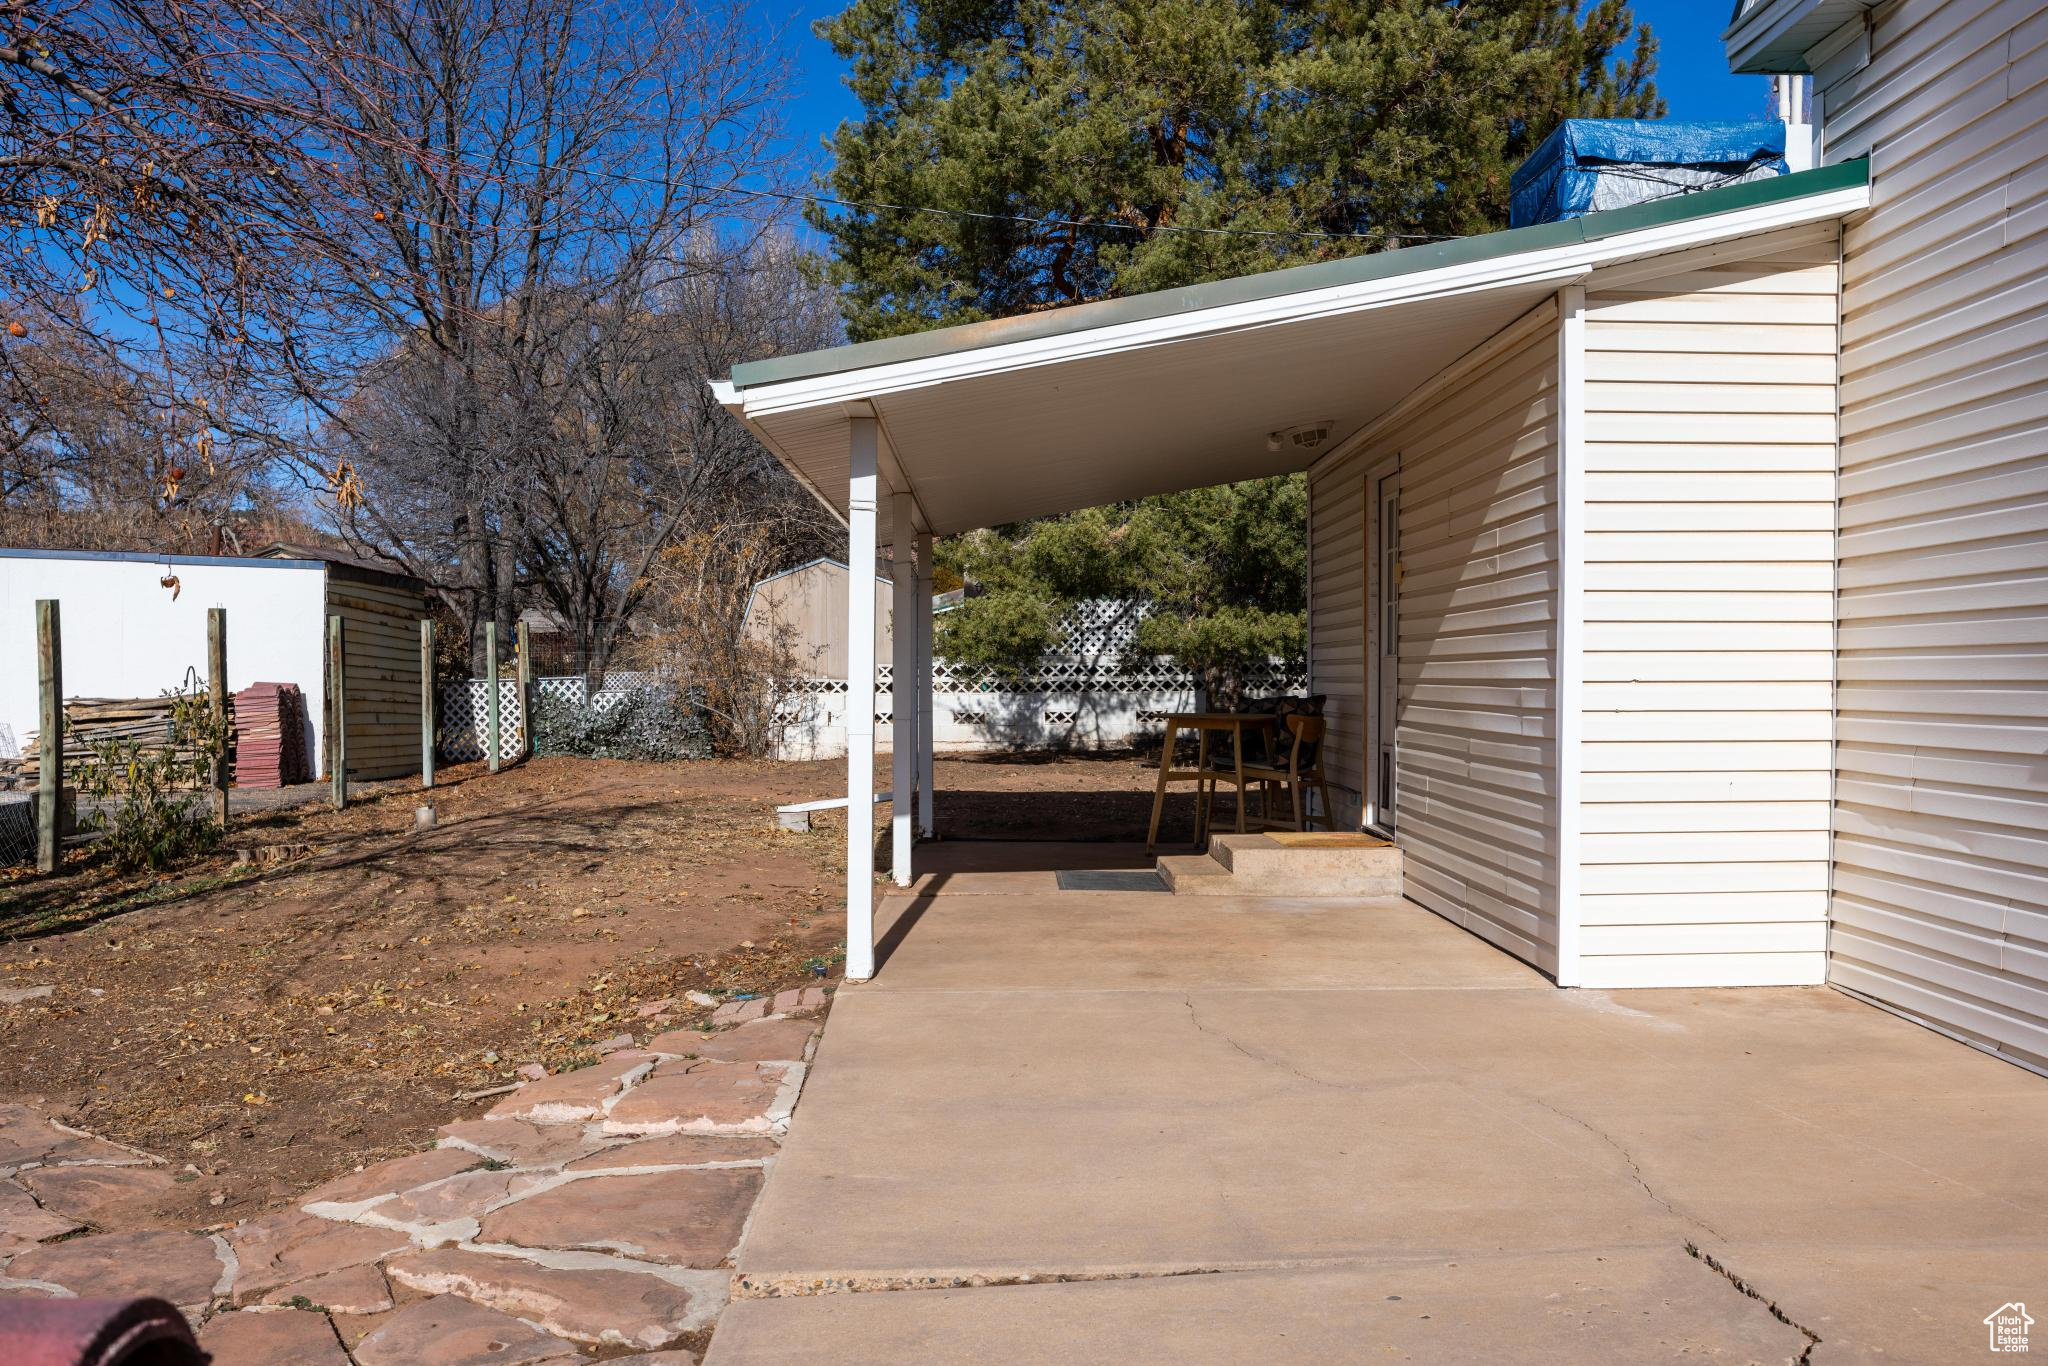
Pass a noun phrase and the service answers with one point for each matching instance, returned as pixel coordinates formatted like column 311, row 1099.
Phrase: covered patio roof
column 1075, row 407
column 967, row 427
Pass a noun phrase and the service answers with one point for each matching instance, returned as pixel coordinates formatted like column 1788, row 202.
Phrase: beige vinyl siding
column 1709, row 617
column 804, row 612
column 1337, row 625
column 381, row 655
column 1476, row 779
column 1940, row 901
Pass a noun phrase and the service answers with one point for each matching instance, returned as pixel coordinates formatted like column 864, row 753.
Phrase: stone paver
column 544, row 1224
column 397, row 1174
column 26, row 1136
column 527, row 1145
column 89, row 1193
column 451, row 1331
column 678, row 1150
column 594, row 1304
column 459, row 1198
column 762, row 1041
column 351, row 1290
column 739, row 1012
column 291, row 1246
column 682, row 1218
column 570, row 1096
column 283, row 1337
column 700, row 1097
column 23, row 1223
column 184, row 1268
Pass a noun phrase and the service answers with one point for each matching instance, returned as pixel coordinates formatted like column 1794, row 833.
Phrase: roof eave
column 1520, row 255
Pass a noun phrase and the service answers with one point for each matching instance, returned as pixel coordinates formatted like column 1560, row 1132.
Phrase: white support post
column 1571, row 622
column 924, row 686
column 860, row 700
column 903, row 689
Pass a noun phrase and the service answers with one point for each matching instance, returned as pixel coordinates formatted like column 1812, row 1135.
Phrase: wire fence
column 633, row 714
column 17, row 829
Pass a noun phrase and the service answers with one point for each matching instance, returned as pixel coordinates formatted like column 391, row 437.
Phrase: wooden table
column 1231, row 723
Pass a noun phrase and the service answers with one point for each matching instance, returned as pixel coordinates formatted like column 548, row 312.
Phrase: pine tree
column 1380, row 120
column 1090, row 135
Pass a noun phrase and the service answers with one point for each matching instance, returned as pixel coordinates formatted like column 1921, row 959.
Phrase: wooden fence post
column 337, row 715
column 525, row 690
column 427, row 701
column 492, row 741
column 50, row 743
column 217, row 686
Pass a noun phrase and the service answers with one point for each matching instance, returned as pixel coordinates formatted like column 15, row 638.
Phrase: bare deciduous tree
column 527, row 175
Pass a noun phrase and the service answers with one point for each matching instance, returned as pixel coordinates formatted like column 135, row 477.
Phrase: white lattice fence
column 1068, row 704
column 465, row 719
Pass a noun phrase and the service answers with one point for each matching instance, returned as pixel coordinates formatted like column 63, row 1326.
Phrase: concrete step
column 1286, row 863
column 1193, row 874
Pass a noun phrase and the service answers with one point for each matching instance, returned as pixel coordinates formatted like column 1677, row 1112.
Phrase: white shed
column 126, row 635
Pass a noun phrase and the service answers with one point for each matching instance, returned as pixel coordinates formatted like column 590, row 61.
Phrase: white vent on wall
column 1302, row 439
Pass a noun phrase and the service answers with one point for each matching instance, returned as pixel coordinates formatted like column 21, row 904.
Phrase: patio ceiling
column 1026, row 417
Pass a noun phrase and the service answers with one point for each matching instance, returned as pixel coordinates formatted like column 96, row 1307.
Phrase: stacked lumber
column 270, row 736
column 90, row 720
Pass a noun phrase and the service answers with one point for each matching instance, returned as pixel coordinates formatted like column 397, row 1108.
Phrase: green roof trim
column 1273, row 284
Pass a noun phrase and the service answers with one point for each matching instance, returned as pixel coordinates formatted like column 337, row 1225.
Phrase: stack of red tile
column 270, row 736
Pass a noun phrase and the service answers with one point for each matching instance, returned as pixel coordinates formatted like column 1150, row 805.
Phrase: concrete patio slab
column 1223, row 1122
column 1107, row 941
column 1556, row 1310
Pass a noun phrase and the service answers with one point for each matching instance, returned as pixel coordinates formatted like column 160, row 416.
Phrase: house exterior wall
column 1476, row 799
column 125, row 636
column 381, row 658
column 1940, row 902
column 1708, row 616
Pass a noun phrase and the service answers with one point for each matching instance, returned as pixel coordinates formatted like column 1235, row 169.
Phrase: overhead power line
column 805, row 197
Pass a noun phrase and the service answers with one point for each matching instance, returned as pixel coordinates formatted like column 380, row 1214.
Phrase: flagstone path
column 589, row 1212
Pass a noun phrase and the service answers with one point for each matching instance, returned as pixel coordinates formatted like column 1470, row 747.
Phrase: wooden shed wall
column 1941, row 825
column 1709, row 616
column 381, row 659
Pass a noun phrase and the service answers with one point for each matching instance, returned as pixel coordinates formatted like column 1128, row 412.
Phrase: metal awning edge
column 1389, row 266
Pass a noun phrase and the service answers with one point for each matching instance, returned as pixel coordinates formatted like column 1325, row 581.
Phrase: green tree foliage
column 1389, row 119
column 1082, row 128
column 1225, row 569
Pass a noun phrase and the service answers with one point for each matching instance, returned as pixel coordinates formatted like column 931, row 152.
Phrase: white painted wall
column 1940, row 903
column 1709, row 616
column 124, row 636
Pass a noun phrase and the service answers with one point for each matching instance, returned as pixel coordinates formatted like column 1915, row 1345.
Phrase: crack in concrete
column 1813, row 1339
column 755, row 1287
column 1195, row 1018
column 1634, row 1170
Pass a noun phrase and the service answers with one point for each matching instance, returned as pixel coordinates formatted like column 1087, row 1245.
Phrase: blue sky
column 1692, row 71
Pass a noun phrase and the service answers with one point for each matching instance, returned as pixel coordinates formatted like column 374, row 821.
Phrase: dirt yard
column 344, row 990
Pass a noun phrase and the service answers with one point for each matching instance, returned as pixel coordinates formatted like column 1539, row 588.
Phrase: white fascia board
column 1554, row 266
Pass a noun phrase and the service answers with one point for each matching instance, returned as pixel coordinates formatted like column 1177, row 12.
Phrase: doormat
column 1109, row 880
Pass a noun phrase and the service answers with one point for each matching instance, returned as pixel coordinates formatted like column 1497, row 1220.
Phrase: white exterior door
column 1383, row 658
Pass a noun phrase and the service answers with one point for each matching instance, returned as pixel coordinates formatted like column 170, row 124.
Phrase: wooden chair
column 1299, row 765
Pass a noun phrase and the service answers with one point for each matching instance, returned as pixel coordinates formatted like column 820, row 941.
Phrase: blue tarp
column 1590, row 164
